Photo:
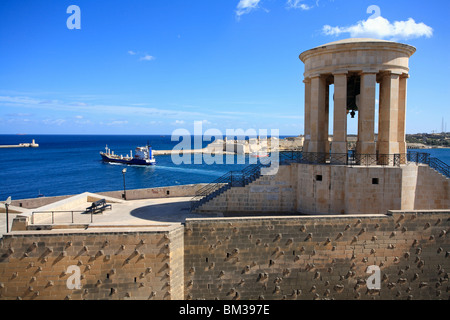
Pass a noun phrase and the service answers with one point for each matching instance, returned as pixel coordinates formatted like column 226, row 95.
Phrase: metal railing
column 425, row 158
column 286, row 157
column 225, row 182
column 440, row 166
column 418, row 157
column 350, row 159
column 33, row 215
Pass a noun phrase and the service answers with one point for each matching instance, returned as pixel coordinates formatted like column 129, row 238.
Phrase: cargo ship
column 143, row 156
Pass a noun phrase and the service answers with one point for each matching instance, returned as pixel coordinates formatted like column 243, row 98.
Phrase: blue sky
column 152, row 66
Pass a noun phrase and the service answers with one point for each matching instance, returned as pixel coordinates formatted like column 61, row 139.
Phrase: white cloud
column 83, row 122
column 246, row 6
column 79, row 104
column 259, row 115
column 19, row 100
column 57, row 122
column 147, row 57
column 121, row 110
column 143, row 56
column 382, row 28
column 117, row 123
column 296, row 4
column 19, row 114
column 178, row 122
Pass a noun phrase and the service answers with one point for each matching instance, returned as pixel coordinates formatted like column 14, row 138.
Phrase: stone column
column 326, row 119
column 317, row 114
column 401, row 137
column 339, row 144
column 388, row 118
column 366, row 118
column 307, row 121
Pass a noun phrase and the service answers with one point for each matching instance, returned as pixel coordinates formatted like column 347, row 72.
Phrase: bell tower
column 355, row 66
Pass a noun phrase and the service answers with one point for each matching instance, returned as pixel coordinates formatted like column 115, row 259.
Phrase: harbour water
column 71, row 164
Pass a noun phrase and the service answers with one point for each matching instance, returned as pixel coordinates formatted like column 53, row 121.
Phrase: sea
column 71, row 164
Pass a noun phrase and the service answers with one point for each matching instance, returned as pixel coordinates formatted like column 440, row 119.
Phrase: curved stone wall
column 357, row 55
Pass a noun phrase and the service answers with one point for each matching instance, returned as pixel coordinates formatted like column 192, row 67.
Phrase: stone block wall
column 132, row 194
column 318, row 257
column 295, row 257
column 433, row 189
column 270, row 193
column 333, row 189
column 113, row 264
column 157, row 192
column 348, row 190
column 176, row 264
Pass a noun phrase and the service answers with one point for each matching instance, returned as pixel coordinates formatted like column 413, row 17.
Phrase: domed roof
column 366, row 42
column 353, row 40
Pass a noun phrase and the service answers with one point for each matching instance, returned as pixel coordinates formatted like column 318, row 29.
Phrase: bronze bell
column 353, row 90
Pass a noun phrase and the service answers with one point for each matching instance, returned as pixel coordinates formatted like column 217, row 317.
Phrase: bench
column 98, row 206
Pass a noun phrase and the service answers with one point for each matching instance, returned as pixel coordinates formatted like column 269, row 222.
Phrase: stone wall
column 370, row 190
column 160, row 192
column 133, row 194
column 318, row 257
column 355, row 54
column 348, row 190
column 333, row 189
column 271, row 193
column 117, row 263
column 433, row 189
column 296, row 257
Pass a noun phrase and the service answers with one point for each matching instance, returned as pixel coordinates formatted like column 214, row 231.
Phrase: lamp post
column 124, row 195
column 7, row 203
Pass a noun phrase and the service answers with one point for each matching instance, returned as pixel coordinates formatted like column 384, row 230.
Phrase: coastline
column 190, row 151
column 424, row 146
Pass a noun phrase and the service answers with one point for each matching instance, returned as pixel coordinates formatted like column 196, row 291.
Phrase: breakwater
column 33, row 144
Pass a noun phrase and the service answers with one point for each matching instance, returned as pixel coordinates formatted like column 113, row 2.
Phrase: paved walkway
column 133, row 213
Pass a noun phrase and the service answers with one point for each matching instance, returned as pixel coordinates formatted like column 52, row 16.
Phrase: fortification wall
column 318, row 257
column 301, row 257
column 271, row 193
column 333, row 189
column 118, row 263
column 133, row 194
column 160, row 192
column 432, row 191
column 348, row 190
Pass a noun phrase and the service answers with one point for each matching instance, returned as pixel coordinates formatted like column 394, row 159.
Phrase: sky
column 154, row 66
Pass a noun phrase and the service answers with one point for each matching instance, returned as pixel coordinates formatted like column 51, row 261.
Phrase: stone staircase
column 242, row 178
column 229, row 180
column 434, row 163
